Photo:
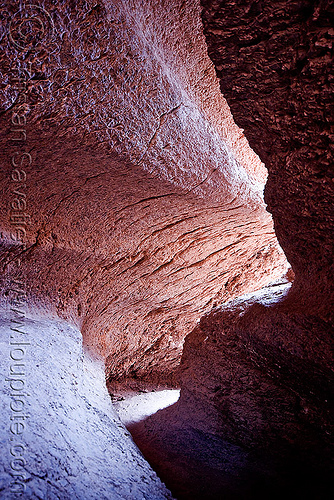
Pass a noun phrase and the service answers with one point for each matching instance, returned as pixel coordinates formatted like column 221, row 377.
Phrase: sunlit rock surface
column 133, row 407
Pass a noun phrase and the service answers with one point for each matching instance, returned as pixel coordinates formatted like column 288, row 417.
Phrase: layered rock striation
column 131, row 205
column 274, row 63
column 257, row 373
column 140, row 193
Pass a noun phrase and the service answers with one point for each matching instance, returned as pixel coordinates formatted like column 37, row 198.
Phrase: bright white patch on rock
column 267, row 296
column 135, row 408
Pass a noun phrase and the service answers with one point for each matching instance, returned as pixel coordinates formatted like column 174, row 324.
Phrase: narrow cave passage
column 140, row 255
column 183, row 440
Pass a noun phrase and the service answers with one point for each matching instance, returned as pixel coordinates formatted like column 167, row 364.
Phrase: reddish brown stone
column 144, row 197
column 259, row 376
column 274, row 61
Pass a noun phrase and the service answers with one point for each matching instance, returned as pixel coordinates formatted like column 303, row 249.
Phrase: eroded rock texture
column 143, row 197
column 274, row 61
column 254, row 418
column 70, row 444
column 257, row 374
column 131, row 205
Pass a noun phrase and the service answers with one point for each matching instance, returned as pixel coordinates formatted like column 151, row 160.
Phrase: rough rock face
column 257, row 373
column 131, row 205
column 60, row 436
column 139, row 191
column 255, row 415
column 261, row 384
column 274, row 61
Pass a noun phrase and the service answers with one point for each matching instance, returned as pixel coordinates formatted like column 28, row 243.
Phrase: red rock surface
column 274, row 58
column 144, row 198
column 257, row 374
column 255, row 416
column 145, row 210
column 274, row 62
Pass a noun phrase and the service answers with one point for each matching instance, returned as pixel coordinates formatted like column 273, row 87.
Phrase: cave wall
column 131, row 204
column 274, row 63
column 140, row 190
column 255, row 415
column 60, row 436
